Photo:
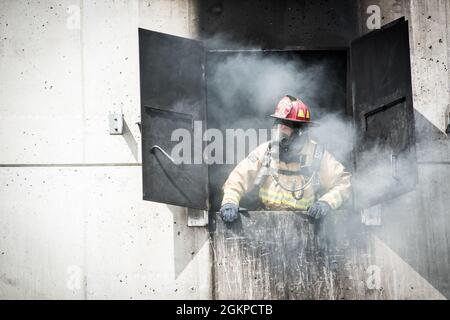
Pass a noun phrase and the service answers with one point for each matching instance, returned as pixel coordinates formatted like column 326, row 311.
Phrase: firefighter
column 291, row 172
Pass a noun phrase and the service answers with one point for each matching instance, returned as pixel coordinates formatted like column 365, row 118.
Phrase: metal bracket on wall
column 115, row 123
column 197, row 218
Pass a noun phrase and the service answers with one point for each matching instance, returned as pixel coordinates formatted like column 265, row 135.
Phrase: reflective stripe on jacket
column 333, row 179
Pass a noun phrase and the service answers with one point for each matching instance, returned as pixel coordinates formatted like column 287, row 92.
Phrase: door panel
column 172, row 97
column 386, row 165
column 282, row 255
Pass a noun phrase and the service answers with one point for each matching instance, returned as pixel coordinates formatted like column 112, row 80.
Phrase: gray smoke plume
column 244, row 86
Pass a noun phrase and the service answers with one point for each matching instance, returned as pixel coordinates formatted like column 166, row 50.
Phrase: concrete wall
column 421, row 252
column 72, row 222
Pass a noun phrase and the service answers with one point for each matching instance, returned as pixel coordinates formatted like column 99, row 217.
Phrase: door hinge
column 197, row 218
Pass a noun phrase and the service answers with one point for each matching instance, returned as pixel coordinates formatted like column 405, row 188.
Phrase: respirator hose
column 293, row 191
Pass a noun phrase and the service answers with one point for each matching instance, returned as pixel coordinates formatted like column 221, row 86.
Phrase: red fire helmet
column 293, row 110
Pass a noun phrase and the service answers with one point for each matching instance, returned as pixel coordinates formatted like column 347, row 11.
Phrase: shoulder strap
column 263, row 172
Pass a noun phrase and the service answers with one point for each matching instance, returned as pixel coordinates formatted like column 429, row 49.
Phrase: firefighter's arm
column 242, row 178
column 335, row 180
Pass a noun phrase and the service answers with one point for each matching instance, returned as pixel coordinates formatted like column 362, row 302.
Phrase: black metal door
column 386, row 165
column 172, row 97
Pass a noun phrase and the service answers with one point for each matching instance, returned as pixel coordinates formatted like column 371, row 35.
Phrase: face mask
column 287, row 140
column 288, row 146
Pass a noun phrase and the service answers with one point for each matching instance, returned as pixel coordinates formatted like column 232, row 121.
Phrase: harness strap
column 309, row 172
column 263, row 172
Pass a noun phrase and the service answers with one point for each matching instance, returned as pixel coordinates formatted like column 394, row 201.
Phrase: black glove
column 319, row 209
column 229, row 212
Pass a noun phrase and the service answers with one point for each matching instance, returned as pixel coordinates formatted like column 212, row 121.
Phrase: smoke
column 263, row 79
column 337, row 134
column 253, row 82
column 244, row 86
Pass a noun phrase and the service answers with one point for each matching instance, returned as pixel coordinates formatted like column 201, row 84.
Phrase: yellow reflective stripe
column 284, row 199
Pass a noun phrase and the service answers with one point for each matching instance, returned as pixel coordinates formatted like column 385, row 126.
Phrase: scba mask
column 289, row 137
column 288, row 142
